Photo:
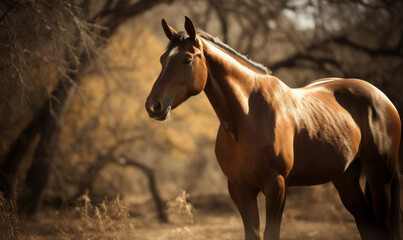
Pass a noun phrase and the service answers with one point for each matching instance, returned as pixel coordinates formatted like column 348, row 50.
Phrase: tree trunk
column 38, row 174
column 159, row 203
column 13, row 159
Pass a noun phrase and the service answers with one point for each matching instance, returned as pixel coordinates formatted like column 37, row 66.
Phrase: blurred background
column 75, row 74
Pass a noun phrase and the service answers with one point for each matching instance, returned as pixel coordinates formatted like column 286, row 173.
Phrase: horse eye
column 187, row 60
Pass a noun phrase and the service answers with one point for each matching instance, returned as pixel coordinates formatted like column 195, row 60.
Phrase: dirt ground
column 209, row 226
column 229, row 226
column 310, row 213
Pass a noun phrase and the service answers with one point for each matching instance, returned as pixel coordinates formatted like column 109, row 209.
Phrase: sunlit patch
column 322, row 81
column 174, row 51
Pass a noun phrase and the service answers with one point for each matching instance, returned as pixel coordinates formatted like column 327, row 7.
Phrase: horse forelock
column 180, row 37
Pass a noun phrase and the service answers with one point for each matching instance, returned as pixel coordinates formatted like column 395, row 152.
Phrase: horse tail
column 395, row 216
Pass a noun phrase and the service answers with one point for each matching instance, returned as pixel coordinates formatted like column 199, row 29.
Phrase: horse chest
column 241, row 163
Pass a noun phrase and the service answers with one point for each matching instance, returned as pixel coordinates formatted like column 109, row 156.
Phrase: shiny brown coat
column 272, row 136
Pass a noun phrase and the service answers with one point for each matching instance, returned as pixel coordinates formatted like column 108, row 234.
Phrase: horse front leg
column 274, row 191
column 246, row 202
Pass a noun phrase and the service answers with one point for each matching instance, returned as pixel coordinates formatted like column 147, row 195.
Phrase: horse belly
column 317, row 161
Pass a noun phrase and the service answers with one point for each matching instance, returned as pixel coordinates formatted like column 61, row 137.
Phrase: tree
column 73, row 32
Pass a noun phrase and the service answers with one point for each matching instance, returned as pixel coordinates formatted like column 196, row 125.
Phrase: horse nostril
column 157, row 107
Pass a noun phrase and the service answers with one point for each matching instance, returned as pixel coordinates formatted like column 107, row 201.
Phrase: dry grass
column 94, row 222
column 108, row 220
column 11, row 224
column 181, row 209
column 181, row 214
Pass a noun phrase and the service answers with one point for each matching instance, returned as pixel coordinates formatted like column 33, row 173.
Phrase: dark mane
column 181, row 36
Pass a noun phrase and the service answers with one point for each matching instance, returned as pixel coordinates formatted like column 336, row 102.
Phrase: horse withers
column 272, row 136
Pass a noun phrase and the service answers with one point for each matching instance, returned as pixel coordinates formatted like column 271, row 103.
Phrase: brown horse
column 272, row 136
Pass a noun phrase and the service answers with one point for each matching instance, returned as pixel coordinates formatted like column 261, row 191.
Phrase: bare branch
column 396, row 51
column 120, row 14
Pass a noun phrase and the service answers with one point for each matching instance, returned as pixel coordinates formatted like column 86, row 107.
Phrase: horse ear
column 170, row 32
column 190, row 29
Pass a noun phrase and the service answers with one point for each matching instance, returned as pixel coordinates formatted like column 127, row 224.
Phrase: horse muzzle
column 158, row 110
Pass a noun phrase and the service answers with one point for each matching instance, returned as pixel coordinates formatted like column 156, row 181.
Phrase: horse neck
column 229, row 86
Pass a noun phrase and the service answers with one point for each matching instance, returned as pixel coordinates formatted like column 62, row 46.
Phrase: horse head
column 183, row 73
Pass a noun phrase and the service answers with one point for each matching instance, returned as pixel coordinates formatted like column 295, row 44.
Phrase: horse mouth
column 161, row 116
